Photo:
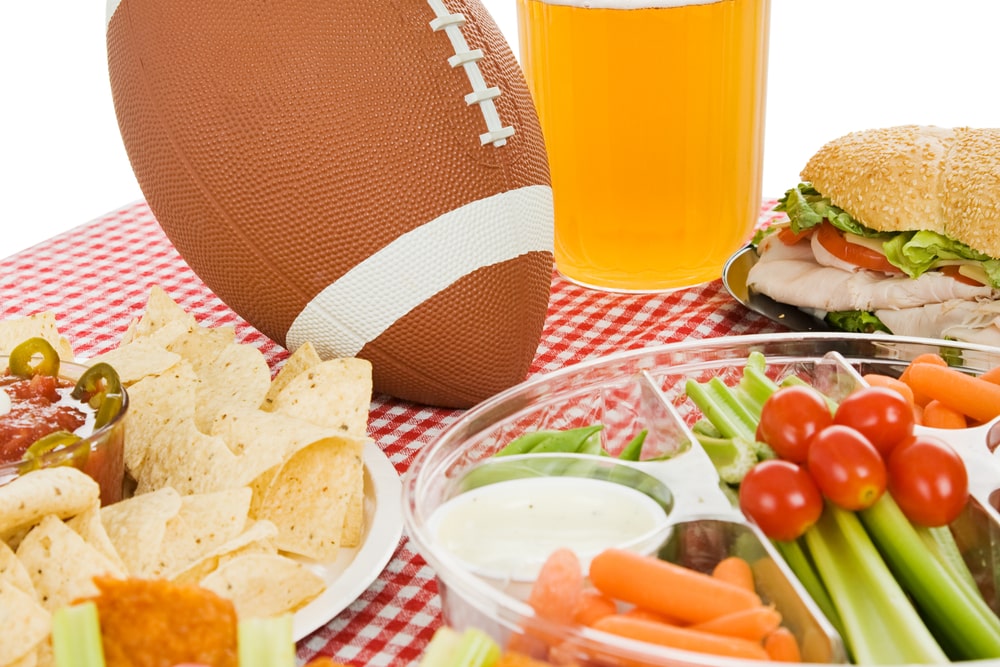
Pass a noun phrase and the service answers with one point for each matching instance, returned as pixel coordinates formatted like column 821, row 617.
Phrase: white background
column 836, row 66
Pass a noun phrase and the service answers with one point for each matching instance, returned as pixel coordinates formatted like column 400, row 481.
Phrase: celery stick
column 266, row 642
column 726, row 396
column 880, row 625
column 76, row 636
column 796, row 558
column 965, row 620
column 440, row 648
column 941, row 542
column 717, row 411
column 732, row 457
column 475, row 648
column 757, row 387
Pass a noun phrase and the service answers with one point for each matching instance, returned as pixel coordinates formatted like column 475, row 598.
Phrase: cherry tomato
column 846, row 467
column 781, row 498
column 833, row 240
column 790, row 418
column 928, row 480
column 880, row 414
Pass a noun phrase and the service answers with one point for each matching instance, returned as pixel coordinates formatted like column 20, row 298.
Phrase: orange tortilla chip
column 151, row 623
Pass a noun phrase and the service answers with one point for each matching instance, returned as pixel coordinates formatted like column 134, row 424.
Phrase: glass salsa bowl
column 99, row 452
column 644, row 389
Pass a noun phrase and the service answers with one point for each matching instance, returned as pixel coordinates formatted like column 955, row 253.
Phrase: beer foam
column 630, row 4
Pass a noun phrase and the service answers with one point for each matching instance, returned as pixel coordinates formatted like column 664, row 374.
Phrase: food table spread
column 96, row 279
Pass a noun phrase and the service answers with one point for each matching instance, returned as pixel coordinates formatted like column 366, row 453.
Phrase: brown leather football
column 367, row 176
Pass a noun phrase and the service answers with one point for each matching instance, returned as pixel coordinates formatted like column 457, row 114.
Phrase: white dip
column 506, row 530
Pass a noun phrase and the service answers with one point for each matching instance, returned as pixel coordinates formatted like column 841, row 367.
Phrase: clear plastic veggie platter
column 481, row 563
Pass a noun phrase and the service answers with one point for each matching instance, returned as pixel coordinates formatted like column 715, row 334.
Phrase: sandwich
column 895, row 230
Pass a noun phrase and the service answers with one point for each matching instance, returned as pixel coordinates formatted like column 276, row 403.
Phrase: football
column 367, row 176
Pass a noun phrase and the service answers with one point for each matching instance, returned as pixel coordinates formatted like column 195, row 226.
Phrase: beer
column 653, row 120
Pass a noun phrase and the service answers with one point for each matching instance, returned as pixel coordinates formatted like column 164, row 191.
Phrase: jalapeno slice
column 22, row 356
column 101, row 387
column 49, row 443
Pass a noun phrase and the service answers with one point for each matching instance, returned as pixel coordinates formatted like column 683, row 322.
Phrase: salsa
column 39, row 405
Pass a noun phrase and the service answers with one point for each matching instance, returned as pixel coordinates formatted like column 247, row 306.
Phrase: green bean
column 20, row 361
column 570, row 441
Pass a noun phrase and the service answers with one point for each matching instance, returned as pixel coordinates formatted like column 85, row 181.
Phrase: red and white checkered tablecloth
column 96, row 278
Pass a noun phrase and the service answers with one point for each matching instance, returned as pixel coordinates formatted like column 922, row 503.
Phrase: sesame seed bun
column 915, row 177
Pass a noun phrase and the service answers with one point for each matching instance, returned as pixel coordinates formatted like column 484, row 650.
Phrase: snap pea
column 101, row 387
column 577, row 440
column 20, row 361
column 633, row 448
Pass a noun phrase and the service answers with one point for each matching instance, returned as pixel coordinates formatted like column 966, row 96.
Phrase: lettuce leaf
column 913, row 252
column 857, row 321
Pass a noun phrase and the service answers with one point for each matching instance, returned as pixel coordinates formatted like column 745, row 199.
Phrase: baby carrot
column 646, row 614
column 938, row 415
column 889, row 382
column 556, row 592
column 667, row 588
column 973, row 397
column 592, row 605
column 992, row 375
column 781, row 646
column 664, row 634
column 926, row 358
column 753, row 624
column 736, row 571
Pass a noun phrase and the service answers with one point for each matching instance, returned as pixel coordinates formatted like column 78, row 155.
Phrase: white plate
column 355, row 569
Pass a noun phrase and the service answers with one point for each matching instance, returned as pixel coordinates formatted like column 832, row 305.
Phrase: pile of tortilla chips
column 241, row 480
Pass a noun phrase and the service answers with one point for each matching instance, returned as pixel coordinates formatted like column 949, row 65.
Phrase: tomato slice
column 952, row 270
column 788, row 237
column 833, row 240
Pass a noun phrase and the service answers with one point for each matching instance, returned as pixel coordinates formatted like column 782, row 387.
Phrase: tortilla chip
column 62, row 491
column 157, row 405
column 200, row 346
column 354, row 519
column 61, row 564
column 138, row 359
column 262, row 440
column 12, row 570
column 203, row 523
column 257, row 538
column 89, row 526
column 237, row 379
column 15, row 331
column 190, row 462
column 137, row 527
column 264, row 585
column 302, row 359
column 309, row 496
column 25, row 624
column 161, row 312
column 337, row 394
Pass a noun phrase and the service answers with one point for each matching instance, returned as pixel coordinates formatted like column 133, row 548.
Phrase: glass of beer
column 653, row 118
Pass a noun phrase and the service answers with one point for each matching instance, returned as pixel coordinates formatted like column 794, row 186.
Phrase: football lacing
column 468, row 59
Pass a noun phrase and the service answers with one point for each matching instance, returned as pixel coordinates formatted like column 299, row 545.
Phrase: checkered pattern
column 95, row 278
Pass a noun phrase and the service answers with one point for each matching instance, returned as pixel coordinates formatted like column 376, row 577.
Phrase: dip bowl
column 644, row 391
column 99, row 452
